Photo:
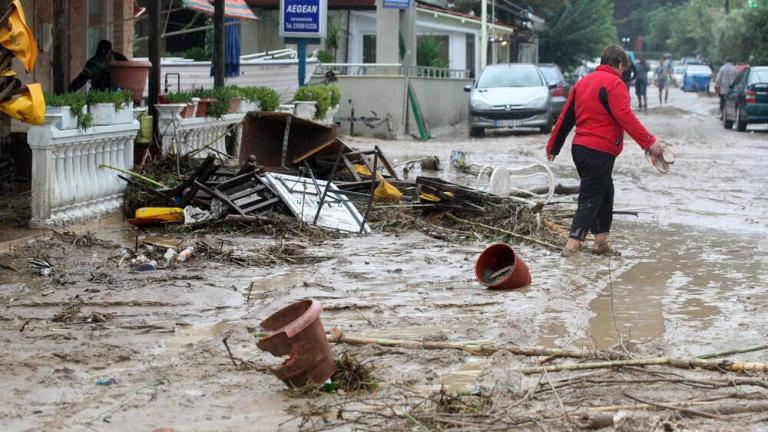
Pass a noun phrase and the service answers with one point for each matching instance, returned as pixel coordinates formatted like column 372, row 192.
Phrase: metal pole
column 483, row 35
column 302, row 53
column 153, row 9
column 218, row 43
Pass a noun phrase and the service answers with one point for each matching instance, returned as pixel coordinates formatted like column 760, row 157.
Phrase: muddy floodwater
column 691, row 279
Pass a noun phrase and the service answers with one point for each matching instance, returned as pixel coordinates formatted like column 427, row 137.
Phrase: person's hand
column 551, row 157
column 655, row 149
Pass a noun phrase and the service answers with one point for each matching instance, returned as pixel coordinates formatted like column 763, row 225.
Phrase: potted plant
column 268, row 99
column 67, row 111
column 183, row 99
column 312, row 95
column 216, row 102
column 249, row 101
column 130, row 75
column 110, row 107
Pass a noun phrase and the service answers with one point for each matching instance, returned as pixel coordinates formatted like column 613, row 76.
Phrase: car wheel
column 728, row 124
column 476, row 132
column 741, row 125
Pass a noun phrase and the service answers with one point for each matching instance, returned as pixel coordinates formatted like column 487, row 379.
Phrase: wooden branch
column 474, row 347
column 513, row 234
column 733, row 351
column 597, row 419
column 723, row 365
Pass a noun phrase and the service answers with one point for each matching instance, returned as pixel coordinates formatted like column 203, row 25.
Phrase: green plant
column 198, row 54
column 76, row 103
column 219, row 100
column 117, row 98
column 325, row 56
column 431, row 52
column 335, row 91
column 178, row 97
column 268, row 98
column 317, row 93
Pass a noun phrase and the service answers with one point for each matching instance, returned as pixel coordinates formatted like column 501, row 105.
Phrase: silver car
column 510, row 95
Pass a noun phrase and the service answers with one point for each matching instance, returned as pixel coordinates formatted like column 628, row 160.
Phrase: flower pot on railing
column 61, row 117
column 202, row 107
column 102, row 113
column 248, row 106
column 188, row 111
column 234, row 104
column 305, row 109
column 124, row 114
column 169, row 112
column 130, row 75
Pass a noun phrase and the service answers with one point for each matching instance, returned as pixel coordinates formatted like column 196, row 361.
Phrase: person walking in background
column 599, row 108
column 641, row 83
column 629, row 74
column 725, row 77
column 662, row 76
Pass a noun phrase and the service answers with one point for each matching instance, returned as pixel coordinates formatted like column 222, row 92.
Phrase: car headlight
column 476, row 104
column 536, row 103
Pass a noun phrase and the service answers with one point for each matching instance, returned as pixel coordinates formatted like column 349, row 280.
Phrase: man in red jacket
column 599, row 108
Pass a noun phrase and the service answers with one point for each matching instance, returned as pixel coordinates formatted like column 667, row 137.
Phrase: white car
column 677, row 76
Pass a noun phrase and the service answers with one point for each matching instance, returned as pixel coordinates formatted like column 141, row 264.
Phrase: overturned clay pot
column 296, row 332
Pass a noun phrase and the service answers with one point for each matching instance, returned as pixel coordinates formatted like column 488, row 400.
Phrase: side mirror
column 468, row 88
column 552, row 86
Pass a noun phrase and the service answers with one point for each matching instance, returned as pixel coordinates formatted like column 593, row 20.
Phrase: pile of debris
column 295, row 167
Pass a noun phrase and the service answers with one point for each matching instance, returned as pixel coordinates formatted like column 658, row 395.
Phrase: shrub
column 178, row 97
column 219, row 100
column 335, row 94
column 268, row 98
column 198, row 54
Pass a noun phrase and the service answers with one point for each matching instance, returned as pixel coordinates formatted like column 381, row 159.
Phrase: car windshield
column 510, row 76
column 551, row 74
column 758, row 76
column 699, row 70
column 680, row 70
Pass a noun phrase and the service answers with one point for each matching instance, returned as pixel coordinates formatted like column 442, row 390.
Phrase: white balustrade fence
column 68, row 185
column 184, row 135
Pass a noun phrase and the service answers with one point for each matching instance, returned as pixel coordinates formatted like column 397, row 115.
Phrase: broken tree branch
column 733, row 351
column 723, row 365
column 513, row 234
column 597, row 419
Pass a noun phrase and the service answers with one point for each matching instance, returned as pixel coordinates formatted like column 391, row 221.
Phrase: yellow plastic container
column 160, row 214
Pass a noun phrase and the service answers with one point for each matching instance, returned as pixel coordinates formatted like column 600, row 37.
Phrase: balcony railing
column 364, row 69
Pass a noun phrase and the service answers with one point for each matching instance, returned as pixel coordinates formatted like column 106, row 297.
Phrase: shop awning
column 232, row 8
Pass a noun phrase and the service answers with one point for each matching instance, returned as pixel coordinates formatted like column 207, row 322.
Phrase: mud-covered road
column 691, row 280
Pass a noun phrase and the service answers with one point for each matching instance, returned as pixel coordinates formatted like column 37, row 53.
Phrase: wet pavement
column 691, row 280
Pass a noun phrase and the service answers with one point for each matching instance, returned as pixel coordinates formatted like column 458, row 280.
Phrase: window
column 471, row 54
column 510, row 76
column 97, row 24
column 758, row 76
column 369, row 48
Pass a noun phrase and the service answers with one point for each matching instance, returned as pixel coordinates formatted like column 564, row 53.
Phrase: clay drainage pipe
column 500, row 267
column 296, row 332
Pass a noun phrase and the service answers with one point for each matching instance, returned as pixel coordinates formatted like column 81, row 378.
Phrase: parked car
column 747, row 99
column 559, row 94
column 510, row 95
column 677, row 76
column 697, row 78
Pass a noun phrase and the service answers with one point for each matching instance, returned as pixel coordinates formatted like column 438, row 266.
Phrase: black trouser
column 595, row 211
column 722, row 102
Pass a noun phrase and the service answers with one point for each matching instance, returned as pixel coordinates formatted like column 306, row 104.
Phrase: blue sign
column 397, row 4
column 303, row 18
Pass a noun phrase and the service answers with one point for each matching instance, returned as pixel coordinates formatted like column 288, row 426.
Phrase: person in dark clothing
column 96, row 69
column 641, row 82
column 629, row 73
column 599, row 108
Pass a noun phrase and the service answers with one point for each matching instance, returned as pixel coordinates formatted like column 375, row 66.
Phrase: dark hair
column 103, row 48
column 728, row 59
column 614, row 55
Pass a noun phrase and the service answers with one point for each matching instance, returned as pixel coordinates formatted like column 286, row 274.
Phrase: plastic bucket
column 493, row 260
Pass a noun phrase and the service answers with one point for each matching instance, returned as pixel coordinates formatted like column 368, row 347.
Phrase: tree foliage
column 701, row 27
column 577, row 31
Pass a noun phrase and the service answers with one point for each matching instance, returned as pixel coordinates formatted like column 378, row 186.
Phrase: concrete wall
column 443, row 103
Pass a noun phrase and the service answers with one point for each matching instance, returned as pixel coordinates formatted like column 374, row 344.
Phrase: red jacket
column 599, row 108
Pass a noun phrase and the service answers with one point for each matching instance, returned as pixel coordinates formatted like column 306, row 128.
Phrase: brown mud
column 690, row 280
